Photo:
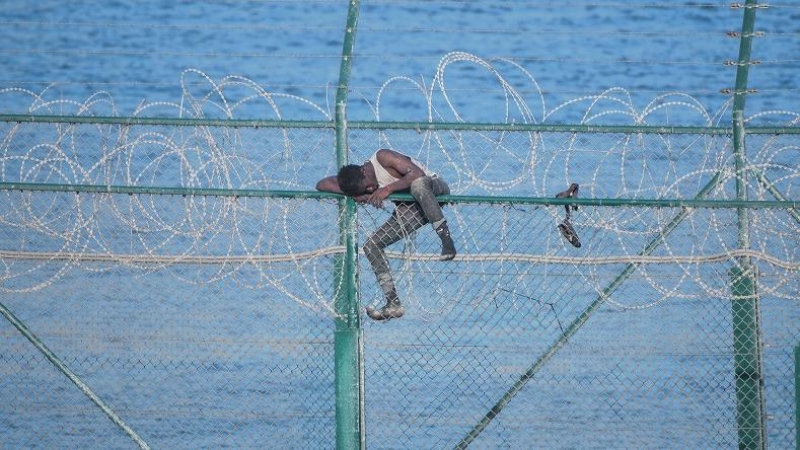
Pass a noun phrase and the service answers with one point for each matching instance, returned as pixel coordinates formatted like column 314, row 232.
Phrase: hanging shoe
column 571, row 192
column 569, row 233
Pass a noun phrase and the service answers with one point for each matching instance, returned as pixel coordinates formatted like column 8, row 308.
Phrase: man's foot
column 569, row 233
column 390, row 311
column 448, row 247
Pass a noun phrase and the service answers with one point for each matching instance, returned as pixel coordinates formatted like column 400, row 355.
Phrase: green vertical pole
column 797, row 397
column 745, row 307
column 347, row 337
column 747, row 360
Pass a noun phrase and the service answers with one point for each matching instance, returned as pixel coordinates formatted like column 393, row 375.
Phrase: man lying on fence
column 385, row 172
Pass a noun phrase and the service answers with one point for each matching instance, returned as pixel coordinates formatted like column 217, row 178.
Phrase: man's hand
column 376, row 198
column 363, row 198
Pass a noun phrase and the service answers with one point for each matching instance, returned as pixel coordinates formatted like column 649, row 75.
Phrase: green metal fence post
column 745, row 306
column 347, row 337
column 797, row 397
column 747, row 360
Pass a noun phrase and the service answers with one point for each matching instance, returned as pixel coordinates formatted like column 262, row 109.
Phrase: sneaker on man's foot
column 390, row 311
column 448, row 247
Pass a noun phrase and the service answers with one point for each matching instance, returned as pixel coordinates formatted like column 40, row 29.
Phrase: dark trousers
column 406, row 218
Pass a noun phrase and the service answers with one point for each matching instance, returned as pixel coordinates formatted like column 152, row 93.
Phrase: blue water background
column 122, row 55
column 138, row 51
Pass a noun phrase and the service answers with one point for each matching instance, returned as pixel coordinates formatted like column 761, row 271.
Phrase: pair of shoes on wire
column 565, row 227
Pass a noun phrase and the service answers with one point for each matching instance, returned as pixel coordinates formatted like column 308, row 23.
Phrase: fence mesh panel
column 200, row 307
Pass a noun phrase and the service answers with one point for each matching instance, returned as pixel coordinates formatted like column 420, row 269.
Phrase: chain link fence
column 173, row 286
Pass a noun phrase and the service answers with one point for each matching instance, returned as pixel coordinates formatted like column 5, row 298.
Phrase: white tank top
column 384, row 177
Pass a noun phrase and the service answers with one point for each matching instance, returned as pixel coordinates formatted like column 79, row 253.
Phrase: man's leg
column 425, row 190
column 406, row 218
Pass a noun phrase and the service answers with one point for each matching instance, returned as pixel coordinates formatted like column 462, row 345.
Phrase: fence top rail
column 165, row 121
column 418, row 126
column 473, row 199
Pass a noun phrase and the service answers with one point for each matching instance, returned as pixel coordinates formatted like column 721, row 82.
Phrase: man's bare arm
column 329, row 184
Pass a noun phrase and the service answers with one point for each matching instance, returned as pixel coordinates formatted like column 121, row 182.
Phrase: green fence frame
column 797, row 396
column 348, row 339
column 745, row 307
column 349, row 371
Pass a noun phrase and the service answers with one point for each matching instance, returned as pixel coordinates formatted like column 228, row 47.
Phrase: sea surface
column 465, row 56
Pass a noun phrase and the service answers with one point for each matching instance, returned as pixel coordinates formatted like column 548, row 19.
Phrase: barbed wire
column 85, row 229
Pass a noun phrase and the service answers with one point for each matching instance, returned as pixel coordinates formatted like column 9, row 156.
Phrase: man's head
column 353, row 180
